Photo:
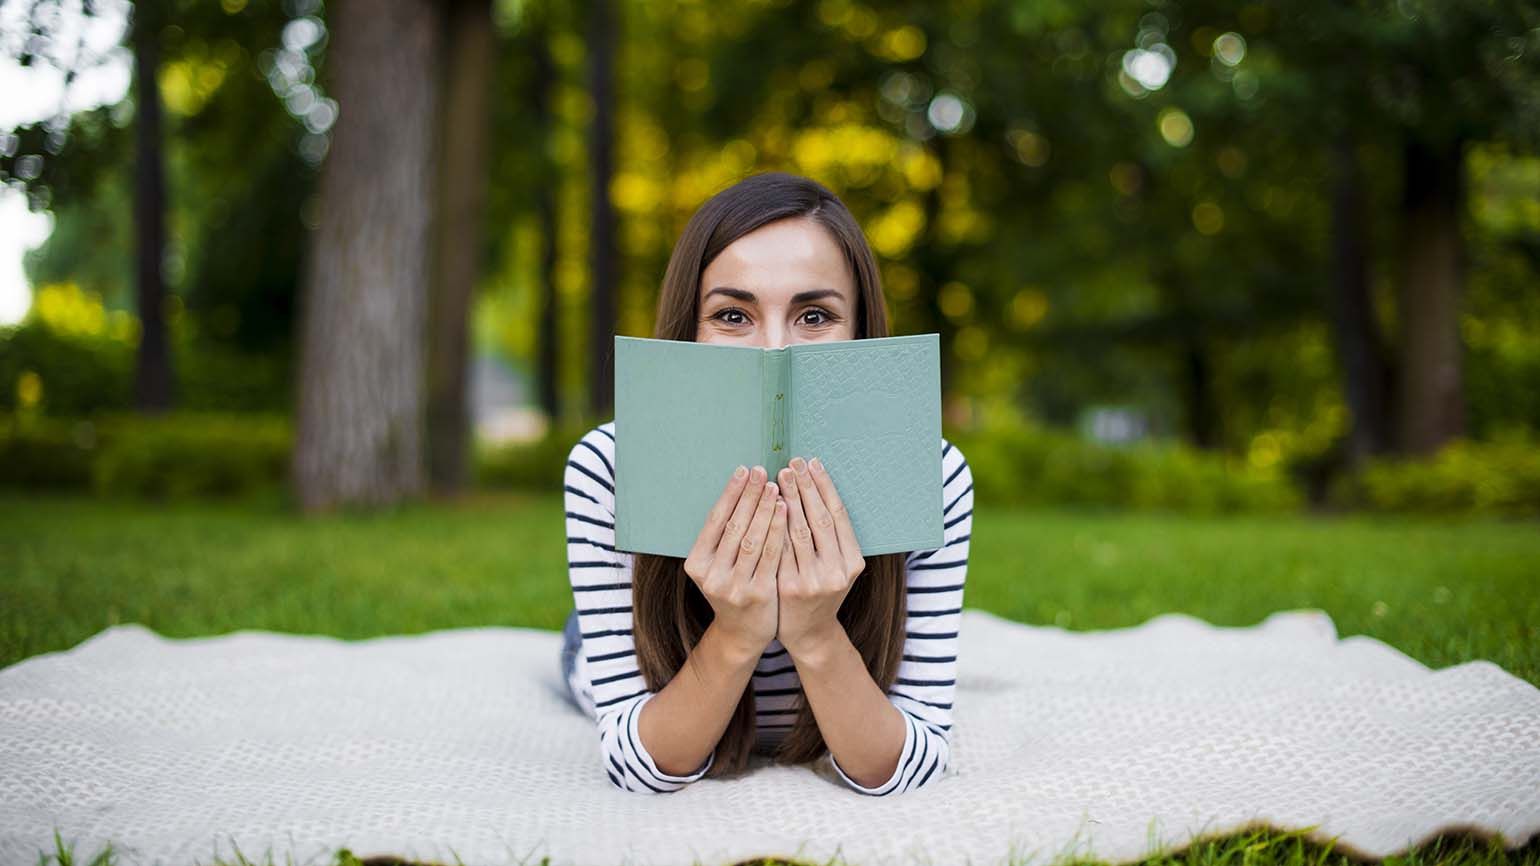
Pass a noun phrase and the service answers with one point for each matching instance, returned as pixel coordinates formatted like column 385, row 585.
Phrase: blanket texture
column 1112, row 744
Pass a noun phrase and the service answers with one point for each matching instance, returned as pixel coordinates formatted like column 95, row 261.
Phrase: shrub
column 192, row 455
column 75, row 375
column 1501, row 477
column 211, row 379
column 1032, row 466
column 171, row 456
column 538, row 465
column 1025, row 466
column 46, row 453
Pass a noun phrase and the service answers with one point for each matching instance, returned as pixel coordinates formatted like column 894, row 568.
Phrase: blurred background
column 303, row 306
column 1180, row 254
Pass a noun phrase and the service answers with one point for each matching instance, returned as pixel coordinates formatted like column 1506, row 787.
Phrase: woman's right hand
column 736, row 556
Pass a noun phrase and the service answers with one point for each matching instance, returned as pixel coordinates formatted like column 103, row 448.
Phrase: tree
column 359, row 429
column 153, row 379
column 152, row 373
column 1356, row 332
column 548, row 353
column 230, row 152
column 1418, row 81
column 462, row 179
column 603, row 266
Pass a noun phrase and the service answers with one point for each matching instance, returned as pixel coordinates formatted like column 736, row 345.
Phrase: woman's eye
column 722, row 316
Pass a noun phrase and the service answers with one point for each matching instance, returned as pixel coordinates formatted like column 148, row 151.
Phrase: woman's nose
column 772, row 338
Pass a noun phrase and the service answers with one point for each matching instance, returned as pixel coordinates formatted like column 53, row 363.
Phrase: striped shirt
column 611, row 686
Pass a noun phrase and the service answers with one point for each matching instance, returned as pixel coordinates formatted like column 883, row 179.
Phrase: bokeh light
column 1175, row 126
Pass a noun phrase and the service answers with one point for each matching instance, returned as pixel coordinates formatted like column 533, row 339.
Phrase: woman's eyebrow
column 750, row 298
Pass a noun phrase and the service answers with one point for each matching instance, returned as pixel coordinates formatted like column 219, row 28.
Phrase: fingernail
column 818, row 467
column 740, row 472
column 759, row 472
column 798, row 464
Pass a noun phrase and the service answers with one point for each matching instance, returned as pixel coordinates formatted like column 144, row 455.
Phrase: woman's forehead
column 780, row 259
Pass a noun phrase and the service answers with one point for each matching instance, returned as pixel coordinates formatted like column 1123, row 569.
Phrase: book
column 687, row 414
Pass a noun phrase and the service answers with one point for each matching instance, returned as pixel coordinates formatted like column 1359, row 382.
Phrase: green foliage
column 538, row 465
column 1502, row 388
column 182, row 456
column 77, row 374
column 1019, row 466
column 1032, row 466
column 1501, row 477
column 236, row 165
column 215, row 379
column 177, row 456
column 1076, row 238
column 43, row 453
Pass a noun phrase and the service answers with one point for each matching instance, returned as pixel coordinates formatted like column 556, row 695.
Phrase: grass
column 1442, row 591
column 1253, row 847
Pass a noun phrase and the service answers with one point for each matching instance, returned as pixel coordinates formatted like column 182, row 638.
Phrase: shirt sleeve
column 601, row 590
column 927, row 674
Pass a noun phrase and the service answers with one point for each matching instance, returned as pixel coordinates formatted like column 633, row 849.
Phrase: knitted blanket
column 1112, row 744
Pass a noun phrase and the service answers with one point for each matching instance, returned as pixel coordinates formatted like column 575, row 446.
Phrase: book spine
column 776, row 400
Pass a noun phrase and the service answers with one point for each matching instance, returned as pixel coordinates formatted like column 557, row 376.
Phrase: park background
column 1237, row 300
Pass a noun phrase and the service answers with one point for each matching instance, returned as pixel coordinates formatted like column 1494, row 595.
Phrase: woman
column 849, row 657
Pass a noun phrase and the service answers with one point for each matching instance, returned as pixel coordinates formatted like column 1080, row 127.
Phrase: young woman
column 774, row 635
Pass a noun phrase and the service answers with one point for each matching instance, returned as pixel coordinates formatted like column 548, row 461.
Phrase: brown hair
column 669, row 611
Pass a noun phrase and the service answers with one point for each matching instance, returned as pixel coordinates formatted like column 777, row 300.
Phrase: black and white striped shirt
column 607, row 676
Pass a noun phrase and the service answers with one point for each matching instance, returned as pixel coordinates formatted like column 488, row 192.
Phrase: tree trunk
column 458, row 236
column 360, row 413
column 602, row 264
column 1359, row 344
column 549, row 333
column 152, row 373
column 1203, row 425
column 1431, row 404
column 936, row 261
column 1193, row 343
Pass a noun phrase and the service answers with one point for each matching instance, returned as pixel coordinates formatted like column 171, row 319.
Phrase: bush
column 1501, row 477
column 75, row 375
column 187, row 455
column 216, row 380
column 539, row 465
column 171, row 456
column 45, row 453
column 1025, row 466
column 1033, row 466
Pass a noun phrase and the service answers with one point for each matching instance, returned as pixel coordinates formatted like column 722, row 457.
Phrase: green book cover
column 687, row 414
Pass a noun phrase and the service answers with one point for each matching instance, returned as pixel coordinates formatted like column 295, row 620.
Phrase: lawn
column 1442, row 591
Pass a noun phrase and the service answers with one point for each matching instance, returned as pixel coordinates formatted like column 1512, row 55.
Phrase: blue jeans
column 571, row 645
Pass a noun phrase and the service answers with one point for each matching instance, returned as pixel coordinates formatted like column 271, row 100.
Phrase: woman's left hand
column 821, row 562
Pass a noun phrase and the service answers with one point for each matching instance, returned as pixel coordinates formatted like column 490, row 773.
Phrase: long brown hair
column 669, row 611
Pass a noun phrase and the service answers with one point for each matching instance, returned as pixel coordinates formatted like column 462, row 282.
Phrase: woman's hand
column 735, row 557
column 821, row 561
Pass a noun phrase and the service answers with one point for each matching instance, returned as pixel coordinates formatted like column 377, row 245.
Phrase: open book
column 687, row 414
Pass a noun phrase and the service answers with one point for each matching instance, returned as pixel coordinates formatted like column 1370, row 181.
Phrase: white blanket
column 1109, row 744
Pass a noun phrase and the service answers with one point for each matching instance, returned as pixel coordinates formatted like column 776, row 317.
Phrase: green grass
column 1253, row 847
column 1441, row 591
